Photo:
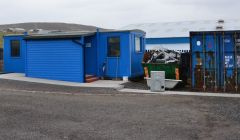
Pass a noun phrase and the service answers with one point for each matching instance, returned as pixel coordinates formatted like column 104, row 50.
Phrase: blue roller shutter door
column 55, row 59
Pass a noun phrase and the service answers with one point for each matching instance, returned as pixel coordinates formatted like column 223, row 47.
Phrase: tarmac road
column 30, row 111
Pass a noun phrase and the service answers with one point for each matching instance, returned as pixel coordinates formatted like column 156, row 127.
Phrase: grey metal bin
column 157, row 81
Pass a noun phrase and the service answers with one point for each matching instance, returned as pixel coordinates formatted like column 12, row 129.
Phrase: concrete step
column 91, row 78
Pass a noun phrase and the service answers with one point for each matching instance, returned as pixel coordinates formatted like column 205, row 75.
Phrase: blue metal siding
column 55, row 59
column 14, row 64
column 172, row 40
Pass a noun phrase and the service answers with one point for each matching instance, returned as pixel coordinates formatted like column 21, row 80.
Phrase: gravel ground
column 10, row 84
column 28, row 115
column 142, row 85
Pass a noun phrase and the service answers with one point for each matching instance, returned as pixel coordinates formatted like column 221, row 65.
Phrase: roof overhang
column 57, row 36
column 222, row 31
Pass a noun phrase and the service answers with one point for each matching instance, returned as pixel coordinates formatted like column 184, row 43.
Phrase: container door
column 197, row 62
column 205, row 61
column 237, row 64
column 228, row 79
column 210, row 63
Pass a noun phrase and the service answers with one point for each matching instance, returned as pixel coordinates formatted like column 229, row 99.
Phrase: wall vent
column 219, row 27
column 220, row 24
column 220, row 21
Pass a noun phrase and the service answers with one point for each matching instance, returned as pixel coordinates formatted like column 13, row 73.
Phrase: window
column 88, row 45
column 15, row 48
column 138, row 44
column 114, row 47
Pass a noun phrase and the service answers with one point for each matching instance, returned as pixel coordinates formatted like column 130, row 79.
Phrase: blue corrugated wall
column 172, row 40
column 14, row 64
column 55, row 59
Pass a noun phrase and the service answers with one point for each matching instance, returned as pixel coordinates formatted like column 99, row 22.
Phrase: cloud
column 114, row 14
column 200, row 2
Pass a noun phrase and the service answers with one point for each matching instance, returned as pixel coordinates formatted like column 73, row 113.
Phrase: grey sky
column 115, row 13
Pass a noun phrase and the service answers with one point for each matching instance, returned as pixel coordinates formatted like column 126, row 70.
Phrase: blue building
column 73, row 56
column 175, row 35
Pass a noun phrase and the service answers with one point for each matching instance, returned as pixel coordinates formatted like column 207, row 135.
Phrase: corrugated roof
column 61, row 35
column 181, row 29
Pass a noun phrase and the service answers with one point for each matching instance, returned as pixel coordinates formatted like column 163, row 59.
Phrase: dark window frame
column 108, row 46
column 15, row 50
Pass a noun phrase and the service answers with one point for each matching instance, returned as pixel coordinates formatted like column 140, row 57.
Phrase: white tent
column 181, row 29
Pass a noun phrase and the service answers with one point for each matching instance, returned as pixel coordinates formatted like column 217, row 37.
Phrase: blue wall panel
column 55, row 59
column 14, row 64
column 172, row 40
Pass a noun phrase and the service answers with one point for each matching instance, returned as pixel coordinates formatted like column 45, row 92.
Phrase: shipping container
column 215, row 61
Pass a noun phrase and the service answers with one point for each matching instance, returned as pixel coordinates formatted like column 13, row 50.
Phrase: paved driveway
column 31, row 111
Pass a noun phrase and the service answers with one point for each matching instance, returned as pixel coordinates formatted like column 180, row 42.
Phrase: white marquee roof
column 181, row 29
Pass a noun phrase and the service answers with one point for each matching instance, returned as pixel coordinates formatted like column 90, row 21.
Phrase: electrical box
column 157, row 81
